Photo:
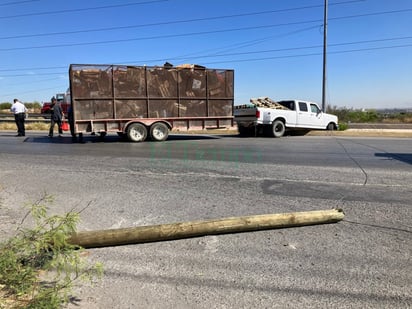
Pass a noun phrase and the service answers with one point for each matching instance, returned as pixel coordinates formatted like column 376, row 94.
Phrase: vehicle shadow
column 111, row 139
column 403, row 157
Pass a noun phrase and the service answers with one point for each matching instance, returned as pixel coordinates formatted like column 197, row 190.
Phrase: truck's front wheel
column 330, row 127
column 136, row 132
column 278, row 128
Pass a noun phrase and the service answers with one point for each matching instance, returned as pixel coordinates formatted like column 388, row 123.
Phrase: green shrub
column 5, row 105
column 343, row 126
column 34, row 105
column 38, row 266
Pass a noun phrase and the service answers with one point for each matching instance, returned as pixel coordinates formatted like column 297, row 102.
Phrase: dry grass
column 34, row 126
column 365, row 133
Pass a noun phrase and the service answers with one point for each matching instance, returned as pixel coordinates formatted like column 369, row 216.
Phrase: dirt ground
column 407, row 133
column 365, row 133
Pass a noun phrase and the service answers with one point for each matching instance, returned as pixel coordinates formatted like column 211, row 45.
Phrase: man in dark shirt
column 56, row 117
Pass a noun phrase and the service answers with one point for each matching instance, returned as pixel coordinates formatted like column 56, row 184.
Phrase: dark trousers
column 52, row 123
column 19, row 119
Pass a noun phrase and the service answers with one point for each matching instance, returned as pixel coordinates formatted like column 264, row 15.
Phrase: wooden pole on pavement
column 135, row 235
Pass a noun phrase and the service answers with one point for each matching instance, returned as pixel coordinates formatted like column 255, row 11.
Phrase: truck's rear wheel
column 136, row 132
column 159, row 131
column 278, row 128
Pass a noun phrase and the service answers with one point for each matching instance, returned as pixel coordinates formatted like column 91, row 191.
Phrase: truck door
column 317, row 116
column 303, row 119
column 309, row 115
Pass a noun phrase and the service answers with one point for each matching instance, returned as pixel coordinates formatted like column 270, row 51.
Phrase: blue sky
column 274, row 46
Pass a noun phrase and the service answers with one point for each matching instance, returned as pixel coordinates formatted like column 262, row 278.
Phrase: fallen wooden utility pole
column 142, row 234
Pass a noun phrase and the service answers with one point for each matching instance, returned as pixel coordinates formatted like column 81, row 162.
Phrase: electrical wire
column 30, row 91
column 18, row 2
column 355, row 161
column 310, row 54
column 164, row 36
column 241, row 53
column 244, row 60
column 194, row 33
column 169, row 22
column 82, row 10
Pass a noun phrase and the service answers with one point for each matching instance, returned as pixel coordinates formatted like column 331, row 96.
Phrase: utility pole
column 325, row 42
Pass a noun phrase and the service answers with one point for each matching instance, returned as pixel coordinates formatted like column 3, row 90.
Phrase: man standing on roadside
column 19, row 111
column 56, row 117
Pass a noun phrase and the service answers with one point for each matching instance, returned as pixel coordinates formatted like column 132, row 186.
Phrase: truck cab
column 309, row 115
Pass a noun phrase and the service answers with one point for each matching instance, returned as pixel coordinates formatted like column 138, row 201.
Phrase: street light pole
column 325, row 31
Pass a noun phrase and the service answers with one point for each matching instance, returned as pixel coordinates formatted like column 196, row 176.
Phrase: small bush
column 343, row 126
column 34, row 105
column 5, row 105
column 38, row 266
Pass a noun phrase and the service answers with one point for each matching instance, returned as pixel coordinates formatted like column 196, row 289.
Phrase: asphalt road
column 361, row 262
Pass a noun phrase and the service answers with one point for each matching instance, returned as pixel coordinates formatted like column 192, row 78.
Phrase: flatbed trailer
column 143, row 101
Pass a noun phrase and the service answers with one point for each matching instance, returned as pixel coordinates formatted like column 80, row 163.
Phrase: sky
column 275, row 47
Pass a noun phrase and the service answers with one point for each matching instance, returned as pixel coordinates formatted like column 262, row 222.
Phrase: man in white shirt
column 19, row 111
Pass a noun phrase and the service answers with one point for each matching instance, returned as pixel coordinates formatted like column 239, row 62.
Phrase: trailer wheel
column 136, row 132
column 159, row 131
column 278, row 128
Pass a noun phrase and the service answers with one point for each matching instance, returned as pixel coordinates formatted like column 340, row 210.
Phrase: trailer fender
column 147, row 122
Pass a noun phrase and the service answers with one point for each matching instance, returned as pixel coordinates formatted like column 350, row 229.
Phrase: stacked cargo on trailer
column 141, row 101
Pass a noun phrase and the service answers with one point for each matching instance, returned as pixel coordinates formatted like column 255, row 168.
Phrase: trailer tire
column 136, row 132
column 278, row 128
column 159, row 131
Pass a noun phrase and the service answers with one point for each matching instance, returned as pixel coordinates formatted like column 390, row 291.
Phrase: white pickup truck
column 264, row 115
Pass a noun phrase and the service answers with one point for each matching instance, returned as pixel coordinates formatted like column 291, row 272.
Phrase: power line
column 275, row 50
column 246, row 44
column 156, row 37
column 82, row 10
column 312, row 54
column 37, row 74
column 171, row 22
column 230, row 54
column 42, row 68
column 199, row 33
column 257, row 59
column 35, row 82
column 135, row 26
column 17, row 2
column 305, row 47
column 26, row 92
column 372, row 14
